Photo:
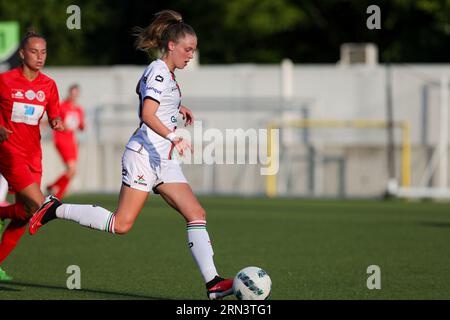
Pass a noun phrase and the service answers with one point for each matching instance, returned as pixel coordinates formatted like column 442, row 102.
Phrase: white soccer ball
column 252, row 283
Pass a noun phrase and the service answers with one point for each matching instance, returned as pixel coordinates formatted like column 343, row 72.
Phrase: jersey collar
column 165, row 65
column 20, row 71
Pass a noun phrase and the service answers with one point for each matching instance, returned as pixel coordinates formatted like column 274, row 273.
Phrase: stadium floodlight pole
column 392, row 182
column 443, row 139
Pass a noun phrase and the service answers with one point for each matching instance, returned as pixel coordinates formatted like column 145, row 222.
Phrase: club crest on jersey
column 30, row 94
column 159, row 78
column 40, row 96
column 140, row 180
column 17, row 94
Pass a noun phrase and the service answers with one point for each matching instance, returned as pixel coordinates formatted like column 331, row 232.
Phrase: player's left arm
column 53, row 110
column 81, row 115
column 187, row 115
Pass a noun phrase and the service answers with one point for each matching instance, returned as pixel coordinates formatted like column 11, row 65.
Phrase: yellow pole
column 271, row 180
column 406, row 155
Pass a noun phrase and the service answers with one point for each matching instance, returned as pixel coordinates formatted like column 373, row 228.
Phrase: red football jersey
column 73, row 119
column 22, row 105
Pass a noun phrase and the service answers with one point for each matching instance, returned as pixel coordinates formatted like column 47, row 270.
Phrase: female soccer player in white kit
column 147, row 161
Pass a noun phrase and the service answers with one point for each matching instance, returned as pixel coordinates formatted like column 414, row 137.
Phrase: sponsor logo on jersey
column 29, row 110
column 159, row 78
column 155, row 90
column 30, row 94
column 173, row 119
column 72, row 120
column 26, row 113
column 17, row 94
column 40, row 96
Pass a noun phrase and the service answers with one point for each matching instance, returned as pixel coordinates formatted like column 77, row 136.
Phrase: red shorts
column 21, row 172
column 67, row 149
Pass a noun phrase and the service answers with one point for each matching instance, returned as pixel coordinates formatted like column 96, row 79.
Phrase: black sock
column 213, row 282
column 51, row 213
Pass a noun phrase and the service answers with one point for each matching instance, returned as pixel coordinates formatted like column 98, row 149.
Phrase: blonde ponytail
column 167, row 26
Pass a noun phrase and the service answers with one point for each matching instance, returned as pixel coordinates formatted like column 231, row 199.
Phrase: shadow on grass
column 435, row 224
column 2, row 288
column 46, row 286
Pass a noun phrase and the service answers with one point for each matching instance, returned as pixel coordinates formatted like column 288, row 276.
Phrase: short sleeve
column 53, row 110
column 155, row 84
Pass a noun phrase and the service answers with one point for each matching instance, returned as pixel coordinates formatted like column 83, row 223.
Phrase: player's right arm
column 156, row 83
column 150, row 106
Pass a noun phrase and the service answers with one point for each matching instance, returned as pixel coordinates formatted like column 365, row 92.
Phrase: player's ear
column 21, row 54
column 171, row 45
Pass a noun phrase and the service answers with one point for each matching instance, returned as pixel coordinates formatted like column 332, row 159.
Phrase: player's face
column 183, row 51
column 34, row 53
column 74, row 94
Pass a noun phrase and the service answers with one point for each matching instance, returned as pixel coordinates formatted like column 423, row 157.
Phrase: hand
column 187, row 115
column 182, row 145
column 4, row 134
column 56, row 124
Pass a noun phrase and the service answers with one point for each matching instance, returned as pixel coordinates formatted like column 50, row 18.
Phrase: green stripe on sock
column 108, row 222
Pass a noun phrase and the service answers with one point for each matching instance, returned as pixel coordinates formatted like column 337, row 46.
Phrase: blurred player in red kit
column 65, row 141
column 25, row 94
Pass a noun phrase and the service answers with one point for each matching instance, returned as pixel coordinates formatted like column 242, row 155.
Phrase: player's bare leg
column 131, row 202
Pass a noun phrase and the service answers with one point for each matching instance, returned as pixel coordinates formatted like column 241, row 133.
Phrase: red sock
column 62, row 187
column 11, row 236
column 61, row 184
column 13, row 211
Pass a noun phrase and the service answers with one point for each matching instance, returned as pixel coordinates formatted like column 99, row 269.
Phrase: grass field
column 311, row 249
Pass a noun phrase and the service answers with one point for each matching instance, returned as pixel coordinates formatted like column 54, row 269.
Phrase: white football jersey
column 157, row 83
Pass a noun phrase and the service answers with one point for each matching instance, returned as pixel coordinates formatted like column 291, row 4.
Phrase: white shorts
column 139, row 173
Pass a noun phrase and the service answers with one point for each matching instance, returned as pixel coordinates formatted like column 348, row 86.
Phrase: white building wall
column 253, row 92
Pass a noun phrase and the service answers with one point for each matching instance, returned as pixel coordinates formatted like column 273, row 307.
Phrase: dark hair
column 74, row 86
column 167, row 25
column 31, row 33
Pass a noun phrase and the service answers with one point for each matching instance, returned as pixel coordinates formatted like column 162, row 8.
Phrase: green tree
column 231, row 31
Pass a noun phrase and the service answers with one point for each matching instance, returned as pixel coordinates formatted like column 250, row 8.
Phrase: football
column 252, row 283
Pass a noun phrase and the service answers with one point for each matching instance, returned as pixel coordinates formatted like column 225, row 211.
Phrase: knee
column 198, row 214
column 122, row 227
column 71, row 171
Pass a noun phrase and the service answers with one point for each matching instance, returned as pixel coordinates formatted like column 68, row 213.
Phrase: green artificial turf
column 311, row 249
